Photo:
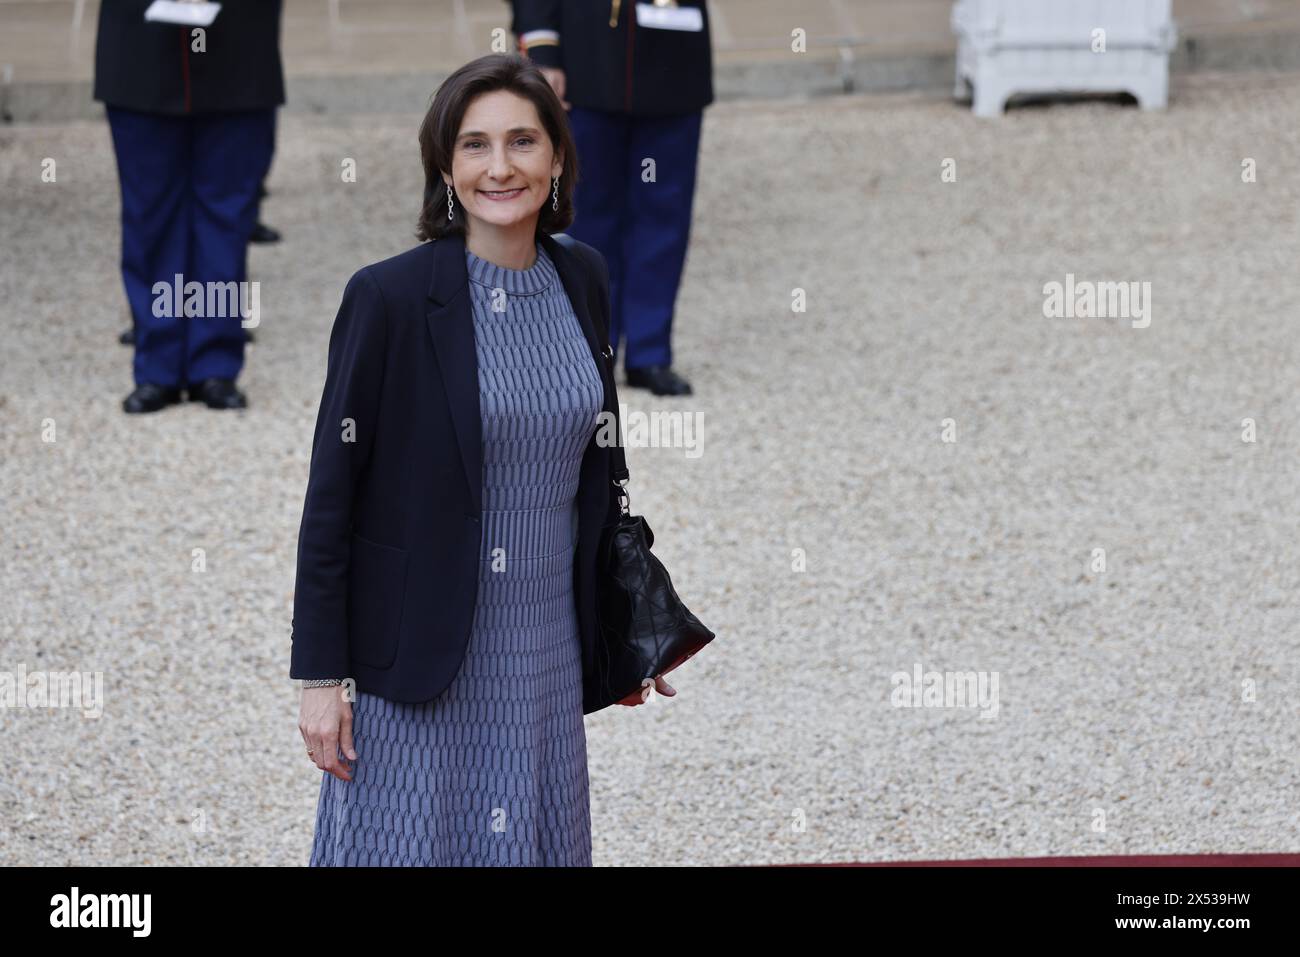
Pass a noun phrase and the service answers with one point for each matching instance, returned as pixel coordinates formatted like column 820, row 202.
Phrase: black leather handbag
column 645, row 630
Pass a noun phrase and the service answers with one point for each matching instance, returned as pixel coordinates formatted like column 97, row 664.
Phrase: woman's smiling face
column 503, row 162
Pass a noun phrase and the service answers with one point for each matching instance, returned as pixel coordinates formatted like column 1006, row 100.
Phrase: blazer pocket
column 376, row 600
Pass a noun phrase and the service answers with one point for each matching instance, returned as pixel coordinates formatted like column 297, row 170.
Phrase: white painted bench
column 1006, row 47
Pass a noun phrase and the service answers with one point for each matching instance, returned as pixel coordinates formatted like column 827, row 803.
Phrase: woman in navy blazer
column 392, row 527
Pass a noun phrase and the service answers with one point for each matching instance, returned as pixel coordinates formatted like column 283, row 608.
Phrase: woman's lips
column 501, row 197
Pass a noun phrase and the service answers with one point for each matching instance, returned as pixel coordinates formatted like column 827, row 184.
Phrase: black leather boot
column 263, row 233
column 218, row 394
column 661, row 380
column 149, row 397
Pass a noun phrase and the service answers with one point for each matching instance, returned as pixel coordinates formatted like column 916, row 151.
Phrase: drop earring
column 555, row 196
column 449, row 204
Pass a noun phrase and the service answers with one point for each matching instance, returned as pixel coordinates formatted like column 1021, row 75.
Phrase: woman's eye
column 470, row 144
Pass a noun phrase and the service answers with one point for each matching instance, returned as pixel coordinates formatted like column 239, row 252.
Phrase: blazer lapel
column 578, row 285
column 451, row 326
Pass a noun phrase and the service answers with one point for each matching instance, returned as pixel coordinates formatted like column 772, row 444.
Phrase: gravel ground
column 1146, row 708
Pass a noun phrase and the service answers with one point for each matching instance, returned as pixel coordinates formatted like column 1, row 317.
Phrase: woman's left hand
column 639, row 697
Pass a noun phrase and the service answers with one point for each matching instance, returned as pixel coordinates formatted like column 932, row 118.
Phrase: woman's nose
column 500, row 163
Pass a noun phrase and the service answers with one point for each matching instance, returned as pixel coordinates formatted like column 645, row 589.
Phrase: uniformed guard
column 191, row 107
column 635, row 77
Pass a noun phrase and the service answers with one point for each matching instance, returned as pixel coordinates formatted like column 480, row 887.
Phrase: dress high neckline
column 536, row 278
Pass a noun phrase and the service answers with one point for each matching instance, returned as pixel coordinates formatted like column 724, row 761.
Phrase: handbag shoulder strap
column 618, row 461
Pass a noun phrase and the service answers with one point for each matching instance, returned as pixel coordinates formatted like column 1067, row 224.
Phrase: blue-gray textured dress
column 494, row 770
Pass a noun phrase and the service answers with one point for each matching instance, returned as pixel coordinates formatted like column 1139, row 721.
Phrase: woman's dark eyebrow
column 512, row 132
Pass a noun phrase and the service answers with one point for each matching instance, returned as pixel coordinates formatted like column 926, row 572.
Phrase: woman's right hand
column 325, row 721
column 555, row 76
column 639, row 697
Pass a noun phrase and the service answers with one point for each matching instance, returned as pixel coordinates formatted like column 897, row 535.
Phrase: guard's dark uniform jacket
column 611, row 63
column 150, row 67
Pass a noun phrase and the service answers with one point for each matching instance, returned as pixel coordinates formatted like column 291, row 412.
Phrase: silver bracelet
column 321, row 682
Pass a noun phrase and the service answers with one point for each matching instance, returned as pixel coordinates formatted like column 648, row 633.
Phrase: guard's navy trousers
column 189, row 205
column 640, row 222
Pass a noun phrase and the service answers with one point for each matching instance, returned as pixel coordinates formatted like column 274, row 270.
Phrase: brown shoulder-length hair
column 497, row 71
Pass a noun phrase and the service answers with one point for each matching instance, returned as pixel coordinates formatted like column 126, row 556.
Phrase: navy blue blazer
column 389, row 544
